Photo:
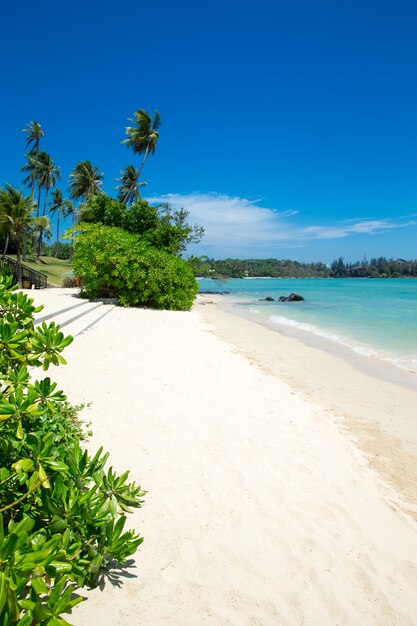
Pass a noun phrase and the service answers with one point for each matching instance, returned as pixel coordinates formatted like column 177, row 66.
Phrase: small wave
column 407, row 364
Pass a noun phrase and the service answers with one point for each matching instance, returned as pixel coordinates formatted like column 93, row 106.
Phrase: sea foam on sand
column 260, row 507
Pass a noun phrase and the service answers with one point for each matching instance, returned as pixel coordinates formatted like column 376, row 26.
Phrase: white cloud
column 236, row 225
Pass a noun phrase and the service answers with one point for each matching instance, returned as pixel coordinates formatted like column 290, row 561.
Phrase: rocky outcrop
column 293, row 297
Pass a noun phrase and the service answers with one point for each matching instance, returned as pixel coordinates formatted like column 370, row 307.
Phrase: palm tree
column 42, row 225
column 42, row 170
column 61, row 207
column 71, row 212
column 144, row 135
column 48, row 173
column 15, row 212
column 85, row 181
column 47, row 176
column 32, row 170
column 129, row 185
column 34, row 134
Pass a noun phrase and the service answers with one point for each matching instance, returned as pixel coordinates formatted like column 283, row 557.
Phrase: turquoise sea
column 375, row 317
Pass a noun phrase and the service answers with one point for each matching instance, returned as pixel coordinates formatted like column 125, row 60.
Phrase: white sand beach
column 264, row 504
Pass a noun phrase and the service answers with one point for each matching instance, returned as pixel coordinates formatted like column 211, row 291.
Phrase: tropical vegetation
column 156, row 227
column 115, row 263
column 274, row 268
column 62, row 510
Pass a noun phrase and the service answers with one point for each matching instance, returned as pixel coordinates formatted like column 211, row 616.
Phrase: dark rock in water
column 267, row 299
column 293, row 297
column 216, row 293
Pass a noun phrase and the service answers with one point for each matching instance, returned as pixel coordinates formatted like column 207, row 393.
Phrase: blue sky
column 289, row 128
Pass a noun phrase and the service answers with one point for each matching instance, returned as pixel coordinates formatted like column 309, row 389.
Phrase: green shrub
column 62, row 512
column 69, row 279
column 114, row 263
column 161, row 226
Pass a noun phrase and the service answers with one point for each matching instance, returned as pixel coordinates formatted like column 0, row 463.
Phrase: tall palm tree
column 42, row 225
column 144, row 135
column 34, row 134
column 15, row 211
column 70, row 212
column 32, row 170
column 85, row 181
column 48, row 173
column 129, row 188
column 60, row 206
column 43, row 170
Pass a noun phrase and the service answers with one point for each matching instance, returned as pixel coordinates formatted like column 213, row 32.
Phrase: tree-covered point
column 380, row 267
column 242, row 268
column 274, row 268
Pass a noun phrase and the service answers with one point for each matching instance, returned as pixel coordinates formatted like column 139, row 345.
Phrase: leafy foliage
column 69, row 279
column 375, row 268
column 62, row 512
column 239, row 268
column 129, row 188
column 85, row 180
column 160, row 226
column 112, row 262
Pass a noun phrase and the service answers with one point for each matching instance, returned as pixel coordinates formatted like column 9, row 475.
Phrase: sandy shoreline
column 261, row 509
column 375, row 401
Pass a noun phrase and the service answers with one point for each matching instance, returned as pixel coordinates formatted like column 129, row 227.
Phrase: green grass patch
column 52, row 267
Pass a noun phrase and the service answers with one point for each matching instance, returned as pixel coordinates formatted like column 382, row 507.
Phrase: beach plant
column 62, row 510
column 69, row 279
column 114, row 263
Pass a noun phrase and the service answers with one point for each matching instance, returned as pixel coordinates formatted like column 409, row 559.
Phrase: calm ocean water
column 371, row 316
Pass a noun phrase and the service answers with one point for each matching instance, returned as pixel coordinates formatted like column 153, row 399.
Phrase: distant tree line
column 375, row 268
column 274, row 268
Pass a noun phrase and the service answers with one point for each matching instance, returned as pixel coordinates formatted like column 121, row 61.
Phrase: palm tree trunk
column 35, row 172
column 39, row 201
column 6, row 245
column 38, row 254
column 18, row 261
column 25, row 245
column 57, row 234
column 143, row 162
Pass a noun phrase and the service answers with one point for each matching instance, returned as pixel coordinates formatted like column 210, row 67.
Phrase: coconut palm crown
column 85, row 181
column 41, row 169
column 143, row 136
column 48, row 174
column 34, row 134
column 129, row 188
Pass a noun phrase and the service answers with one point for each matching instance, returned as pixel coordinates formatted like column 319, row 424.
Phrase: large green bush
column 162, row 226
column 112, row 262
column 62, row 513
